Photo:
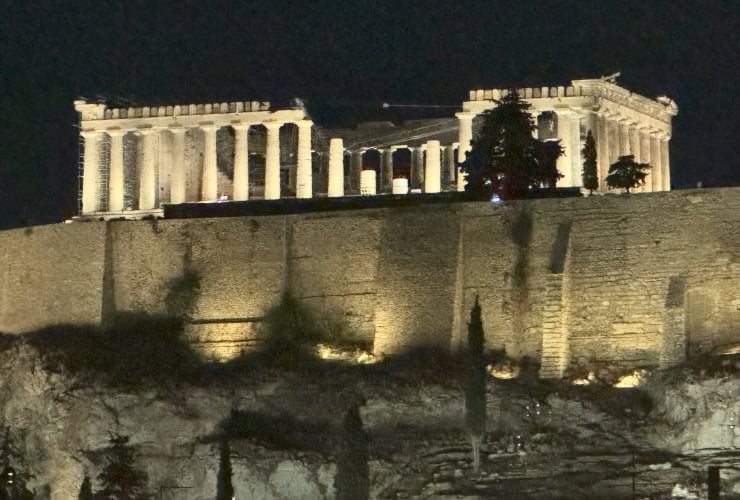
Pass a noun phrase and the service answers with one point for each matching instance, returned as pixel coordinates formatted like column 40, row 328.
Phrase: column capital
column 240, row 126
column 465, row 115
column 146, row 131
column 273, row 125
column 176, row 130
column 303, row 123
column 90, row 133
column 116, row 132
column 209, row 127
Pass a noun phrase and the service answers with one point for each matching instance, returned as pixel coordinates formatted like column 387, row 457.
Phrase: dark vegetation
column 505, row 158
column 352, row 480
column 626, row 173
column 590, row 172
column 224, row 487
column 120, row 479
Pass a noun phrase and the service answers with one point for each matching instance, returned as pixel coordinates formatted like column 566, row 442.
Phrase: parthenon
column 137, row 159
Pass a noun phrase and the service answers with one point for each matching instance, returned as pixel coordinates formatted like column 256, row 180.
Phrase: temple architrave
column 135, row 160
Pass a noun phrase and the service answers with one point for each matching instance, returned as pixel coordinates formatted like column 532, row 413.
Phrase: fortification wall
column 636, row 279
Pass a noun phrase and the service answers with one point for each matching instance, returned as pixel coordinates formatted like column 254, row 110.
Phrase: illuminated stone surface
column 626, row 279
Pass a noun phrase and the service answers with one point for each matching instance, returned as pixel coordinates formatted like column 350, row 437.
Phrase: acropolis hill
column 643, row 279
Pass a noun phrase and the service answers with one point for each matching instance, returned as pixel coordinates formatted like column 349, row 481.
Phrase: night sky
column 345, row 58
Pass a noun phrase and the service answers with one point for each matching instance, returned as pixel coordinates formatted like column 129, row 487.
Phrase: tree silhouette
column 120, row 479
column 626, row 173
column 504, row 156
column 352, row 480
column 224, row 488
column 475, row 384
column 86, row 492
column 590, row 173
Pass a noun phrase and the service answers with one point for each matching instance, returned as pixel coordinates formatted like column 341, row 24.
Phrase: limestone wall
column 637, row 279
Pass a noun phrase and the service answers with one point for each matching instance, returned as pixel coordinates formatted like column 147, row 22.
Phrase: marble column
column 304, row 174
column 432, row 168
column 272, row 161
column 241, row 161
column 645, row 158
column 564, row 164
column 624, row 138
column 115, row 176
column 613, row 132
column 665, row 163
column 657, row 182
column 355, row 170
column 450, row 166
column 177, row 190
column 209, row 189
column 634, row 142
column 466, row 133
column 386, row 170
column 148, row 170
column 91, row 172
column 336, row 168
column 417, row 168
column 602, row 149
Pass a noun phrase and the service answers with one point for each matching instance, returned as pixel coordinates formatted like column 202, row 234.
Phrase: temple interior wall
column 634, row 279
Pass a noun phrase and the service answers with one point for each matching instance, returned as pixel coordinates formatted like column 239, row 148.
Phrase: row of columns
column 426, row 168
column 618, row 136
column 92, row 197
column 615, row 136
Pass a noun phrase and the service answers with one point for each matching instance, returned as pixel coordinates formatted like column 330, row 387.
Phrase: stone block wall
column 632, row 279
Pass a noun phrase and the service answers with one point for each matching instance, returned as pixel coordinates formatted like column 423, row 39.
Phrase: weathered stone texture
column 639, row 279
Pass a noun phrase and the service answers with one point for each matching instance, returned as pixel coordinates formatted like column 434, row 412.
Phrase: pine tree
column 86, row 492
column 475, row 384
column 224, row 488
column 352, row 480
column 120, row 479
column 590, row 173
column 626, row 173
column 505, row 158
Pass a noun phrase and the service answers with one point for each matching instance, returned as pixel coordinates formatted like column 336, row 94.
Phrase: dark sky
column 346, row 58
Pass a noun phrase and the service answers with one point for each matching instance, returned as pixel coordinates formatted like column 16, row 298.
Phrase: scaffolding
column 104, row 142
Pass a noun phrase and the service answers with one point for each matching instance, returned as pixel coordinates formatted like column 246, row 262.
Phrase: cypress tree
column 475, row 384
column 352, row 480
column 590, row 173
column 224, row 488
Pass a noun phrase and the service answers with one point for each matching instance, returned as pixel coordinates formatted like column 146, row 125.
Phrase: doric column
column 209, row 190
column 272, row 161
column 657, row 183
column 304, row 175
column 177, row 188
column 115, row 176
column 417, row 167
column 355, row 170
column 634, row 146
column 613, row 132
column 602, row 149
column 624, row 138
column 241, row 161
column 148, row 171
column 645, row 158
column 432, row 170
column 665, row 163
column 466, row 133
column 450, row 166
column 336, row 168
column 565, row 163
column 386, row 170
column 91, row 172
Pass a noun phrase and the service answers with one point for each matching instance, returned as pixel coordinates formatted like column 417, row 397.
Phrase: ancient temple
column 137, row 159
